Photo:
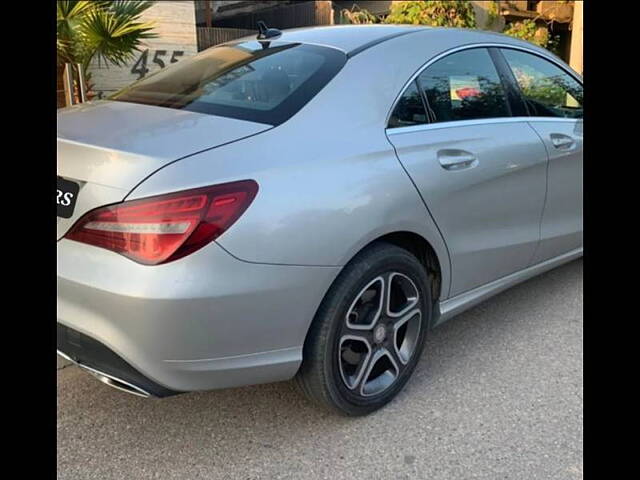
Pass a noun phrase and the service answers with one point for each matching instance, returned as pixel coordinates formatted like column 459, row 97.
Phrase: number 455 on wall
column 140, row 67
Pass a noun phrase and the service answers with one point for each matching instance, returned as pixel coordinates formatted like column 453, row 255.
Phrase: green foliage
column 358, row 16
column 545, row 92
column 554, row 44
column 434, row 13
column 107, row 30
column 528, row 30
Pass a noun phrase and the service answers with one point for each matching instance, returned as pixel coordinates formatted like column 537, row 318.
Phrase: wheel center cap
column 379, row 334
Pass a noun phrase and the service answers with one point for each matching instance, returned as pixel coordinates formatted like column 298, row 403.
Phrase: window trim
column 470, row 46
column 477, row 121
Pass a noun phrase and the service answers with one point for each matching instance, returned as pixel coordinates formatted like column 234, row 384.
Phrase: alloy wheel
column 379, row 334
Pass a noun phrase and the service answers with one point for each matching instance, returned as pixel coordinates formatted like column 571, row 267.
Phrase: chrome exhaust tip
column 110, row 380
column 116, row 383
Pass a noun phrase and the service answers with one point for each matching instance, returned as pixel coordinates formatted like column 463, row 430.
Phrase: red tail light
column 167, row 227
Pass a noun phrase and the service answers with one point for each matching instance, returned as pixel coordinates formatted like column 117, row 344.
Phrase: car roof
column 345, row 37
column 353, row 39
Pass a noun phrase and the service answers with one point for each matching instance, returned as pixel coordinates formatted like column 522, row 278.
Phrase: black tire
column 331, row 365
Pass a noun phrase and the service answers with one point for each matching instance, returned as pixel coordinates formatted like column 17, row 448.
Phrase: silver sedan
column 308, row 204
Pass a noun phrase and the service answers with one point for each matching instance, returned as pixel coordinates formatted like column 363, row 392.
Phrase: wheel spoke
column 382, row 370
column 353, row 358
column 401, row 295
column 367, row 306
column 405, row 335
column 365, row 335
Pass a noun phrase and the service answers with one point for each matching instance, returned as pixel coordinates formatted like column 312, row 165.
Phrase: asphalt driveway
column 498, row 395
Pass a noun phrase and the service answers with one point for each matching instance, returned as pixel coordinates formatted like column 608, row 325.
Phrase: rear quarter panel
column 323, row 196
column 330, row 181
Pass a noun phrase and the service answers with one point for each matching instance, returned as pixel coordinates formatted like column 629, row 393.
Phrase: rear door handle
column 453, row 159
column 562, row 141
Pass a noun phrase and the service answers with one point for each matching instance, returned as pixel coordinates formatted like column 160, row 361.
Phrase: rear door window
column 244, row 81
column 464, row 86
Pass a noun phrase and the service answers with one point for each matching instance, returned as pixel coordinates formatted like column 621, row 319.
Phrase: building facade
column 562, row 18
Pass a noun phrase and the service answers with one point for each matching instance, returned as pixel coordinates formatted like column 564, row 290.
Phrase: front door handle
column 562, row 141
column 453, row 159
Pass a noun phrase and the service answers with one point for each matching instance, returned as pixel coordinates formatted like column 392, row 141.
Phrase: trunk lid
column 109, row 147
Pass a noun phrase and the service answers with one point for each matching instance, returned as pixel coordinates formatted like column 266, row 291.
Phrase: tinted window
column 244, row 81
column 409, row 109
column 464, row 86
column 548, row 90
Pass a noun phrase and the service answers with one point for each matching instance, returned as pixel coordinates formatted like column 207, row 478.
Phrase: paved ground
column 498, row 395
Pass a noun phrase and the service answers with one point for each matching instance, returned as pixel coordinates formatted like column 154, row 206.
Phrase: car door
column 554, row 100
column 480, row 170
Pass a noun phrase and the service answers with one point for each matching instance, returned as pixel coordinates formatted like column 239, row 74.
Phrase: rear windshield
column 243, row 80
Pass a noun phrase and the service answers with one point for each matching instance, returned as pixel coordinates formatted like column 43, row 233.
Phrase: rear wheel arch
column 418, row 246
column 423, row 251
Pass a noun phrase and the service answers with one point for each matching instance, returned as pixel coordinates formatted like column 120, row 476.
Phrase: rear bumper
column 100, row 361
column 206, row 321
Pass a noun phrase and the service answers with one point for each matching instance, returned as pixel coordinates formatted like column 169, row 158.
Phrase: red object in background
column 467, row 92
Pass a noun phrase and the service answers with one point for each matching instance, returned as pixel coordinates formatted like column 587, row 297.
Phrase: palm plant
column 110, row 31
